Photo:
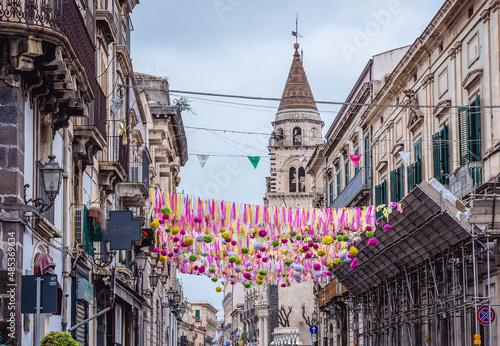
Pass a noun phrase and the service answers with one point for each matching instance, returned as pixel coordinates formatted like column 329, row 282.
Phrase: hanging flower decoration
column 255, row 244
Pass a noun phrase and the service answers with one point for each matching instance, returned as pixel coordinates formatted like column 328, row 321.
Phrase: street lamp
column 350, row 303
column 314, row 316
column 153, row 279
column 141, row 260
column 51, row 180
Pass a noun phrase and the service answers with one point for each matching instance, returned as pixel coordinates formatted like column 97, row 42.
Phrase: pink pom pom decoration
column 354, row 263
column 175, row 239
column 284, row 241
column 163, row 252
column 372, row 242
column 368, row 228
column 262, row 233
column 317, row 266
column 264, row 259
column 387, row 227
column 233, row 242
column 156, row 249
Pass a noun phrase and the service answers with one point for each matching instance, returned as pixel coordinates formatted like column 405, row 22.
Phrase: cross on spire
column 296, row 32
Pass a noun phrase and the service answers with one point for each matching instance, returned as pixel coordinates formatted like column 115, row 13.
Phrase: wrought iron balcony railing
column 358, row 184
column 62, row 16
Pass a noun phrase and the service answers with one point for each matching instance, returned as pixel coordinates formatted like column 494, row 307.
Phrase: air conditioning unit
column 79, row 226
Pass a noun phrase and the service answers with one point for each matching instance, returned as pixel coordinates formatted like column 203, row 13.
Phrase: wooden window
column 469, row 129
column 397, row 188
column 338, row 184
column 302, row 179
column 297, row 136
column 441, row 155
column 346, row 173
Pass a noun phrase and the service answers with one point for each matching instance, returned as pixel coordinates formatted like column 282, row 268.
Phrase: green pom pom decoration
column 167, row 230
column 370, row 234
column 232, row 259
column 288, row 263
column 214, row 279
column 298, row 237
column 247, row 284
column 263, row 272
column 340, row 237
column 166, row 210
column 345, row 238
column 294, row 234
column 193, row 257
column 231, row 276
column 212, row 270
column 276, row 243
column 207, row 239
column 244, row 250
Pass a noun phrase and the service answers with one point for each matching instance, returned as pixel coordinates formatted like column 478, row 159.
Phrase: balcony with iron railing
column 355, row 189
column 468, row 178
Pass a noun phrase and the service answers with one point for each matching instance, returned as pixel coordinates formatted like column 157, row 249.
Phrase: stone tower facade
column 297, row 131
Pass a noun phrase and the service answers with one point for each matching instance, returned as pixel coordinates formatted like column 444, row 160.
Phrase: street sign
column 228, row 343
column 485, row 315
column 48, row 294
column 122, row 229
column 313, row 337
column 313, row 329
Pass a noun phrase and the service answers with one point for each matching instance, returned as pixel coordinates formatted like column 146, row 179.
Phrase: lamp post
column 51, row 179
column 140, row 266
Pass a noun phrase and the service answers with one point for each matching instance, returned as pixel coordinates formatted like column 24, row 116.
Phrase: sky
column 245, row 47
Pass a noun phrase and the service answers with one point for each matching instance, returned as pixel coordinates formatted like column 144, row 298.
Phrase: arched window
column 279, row 137
column 297, row 136
column 302, row 179
column 314, row 134
column 292, row 179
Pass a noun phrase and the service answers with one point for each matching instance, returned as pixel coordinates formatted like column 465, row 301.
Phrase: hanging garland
column 256, row 244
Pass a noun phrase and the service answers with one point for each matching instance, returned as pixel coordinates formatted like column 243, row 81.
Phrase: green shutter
column 418, row 163
column 394, row 185
column 378, row 199
column 411, row 177
column 436, row 159
column 400, row 183
column 384, row 191
column 475, row 131
column 463, row 134
column 445, row 154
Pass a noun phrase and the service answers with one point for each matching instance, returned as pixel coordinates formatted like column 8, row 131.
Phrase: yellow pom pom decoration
column 218, row 289
column 353, row 251
column 336, row 261
column 321, row 252
column 175, row 230
column 327, row 240
column 329, row 264
column 188, row 241
column 259, row 282
column 306, row 228
column 225, row 236
column 155, row 224
column 260, row 277
column 238, row 261
column 163, row 259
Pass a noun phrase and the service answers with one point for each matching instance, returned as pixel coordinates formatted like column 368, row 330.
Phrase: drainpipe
column 66, row 235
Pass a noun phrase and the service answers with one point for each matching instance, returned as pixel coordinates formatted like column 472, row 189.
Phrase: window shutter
column 411, row 177
column 378, row 199
column 436, row 160
column 475, row 131
column 394, row 185
column 384, row 192
column 445, row 154
column 463, row 134
column 418, row 163
column 400, row 183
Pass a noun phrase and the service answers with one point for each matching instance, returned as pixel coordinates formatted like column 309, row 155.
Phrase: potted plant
column 58, row 339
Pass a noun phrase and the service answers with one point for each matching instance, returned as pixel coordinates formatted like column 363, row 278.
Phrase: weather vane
column 296, row 32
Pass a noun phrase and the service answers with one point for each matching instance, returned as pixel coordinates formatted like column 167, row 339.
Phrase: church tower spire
column 297, row 132
column 297, row 93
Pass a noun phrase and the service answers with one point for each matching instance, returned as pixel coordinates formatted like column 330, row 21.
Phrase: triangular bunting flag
column 304, row 160
column 405, row 155
column 203, row 159
column 355, row 159
column 254, row 160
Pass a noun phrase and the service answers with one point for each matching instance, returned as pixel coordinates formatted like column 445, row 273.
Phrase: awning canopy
column 427, row 227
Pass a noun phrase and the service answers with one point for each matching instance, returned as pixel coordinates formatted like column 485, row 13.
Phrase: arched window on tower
column 297, row 136
column 292, row 179
column 279, row 137
column 302, row 179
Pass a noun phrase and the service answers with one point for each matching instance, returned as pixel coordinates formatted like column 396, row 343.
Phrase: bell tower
column 297, row 131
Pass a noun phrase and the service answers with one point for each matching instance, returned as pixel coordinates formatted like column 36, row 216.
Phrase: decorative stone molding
column 427, row 80
column 442, row 108
column 132, row 194
column 397, row 148
column 381, row 165
column 87, row 141
column 472, row 78
column 485, row 15
column 416, row 117
column 494, row 5
column 110, row 174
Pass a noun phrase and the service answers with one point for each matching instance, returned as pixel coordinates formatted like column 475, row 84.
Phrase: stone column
column 11, row 192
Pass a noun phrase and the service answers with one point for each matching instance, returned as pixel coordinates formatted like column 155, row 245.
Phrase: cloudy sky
column 245, row 47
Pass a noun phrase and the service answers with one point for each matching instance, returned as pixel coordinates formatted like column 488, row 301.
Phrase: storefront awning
column 428, row 226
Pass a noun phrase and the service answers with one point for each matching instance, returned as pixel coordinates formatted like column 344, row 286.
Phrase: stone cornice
column 485, row 15
column 312, row 121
